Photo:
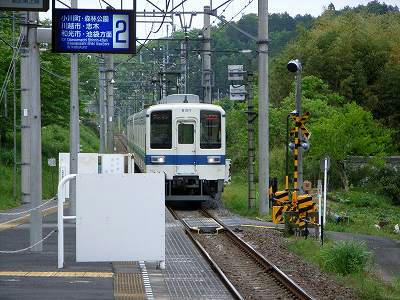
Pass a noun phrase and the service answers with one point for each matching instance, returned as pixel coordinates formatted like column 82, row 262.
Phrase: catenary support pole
column 36, row 139
column 251, row 117
column 102, row 115
column 25, row 112
column 207, row 73
column 74, row 124
column 14, row 109
column 110, row 101
column 263, row 107
column 183, row 84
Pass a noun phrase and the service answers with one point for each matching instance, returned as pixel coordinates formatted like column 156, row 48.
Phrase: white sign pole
column 325, row 185
column 319, row 205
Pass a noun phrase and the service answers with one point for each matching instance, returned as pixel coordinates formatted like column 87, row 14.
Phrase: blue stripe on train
column 185, row 160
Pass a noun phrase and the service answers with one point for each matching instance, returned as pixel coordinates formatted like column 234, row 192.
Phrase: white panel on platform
column 112, row 164
column 88, row 163
column 120, row 217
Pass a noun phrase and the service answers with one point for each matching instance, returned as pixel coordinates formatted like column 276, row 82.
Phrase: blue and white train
column 185, row 140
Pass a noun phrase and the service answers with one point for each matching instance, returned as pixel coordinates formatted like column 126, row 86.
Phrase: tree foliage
column 357, row 54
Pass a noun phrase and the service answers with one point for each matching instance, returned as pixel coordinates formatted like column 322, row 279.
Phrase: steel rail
column 266, row 264
column 231, row 288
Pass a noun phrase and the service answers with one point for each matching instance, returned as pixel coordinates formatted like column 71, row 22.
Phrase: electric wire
column 243, row 8
column 11, row 67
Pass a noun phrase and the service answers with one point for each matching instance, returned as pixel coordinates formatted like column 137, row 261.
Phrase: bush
column 7, row 157
column 345, row 257
column 386, row 181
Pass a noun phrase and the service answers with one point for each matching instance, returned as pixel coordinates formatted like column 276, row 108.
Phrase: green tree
column 349, row 131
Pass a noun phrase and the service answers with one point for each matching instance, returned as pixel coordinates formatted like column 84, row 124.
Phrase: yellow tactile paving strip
column 128, row 286
column 56, row 274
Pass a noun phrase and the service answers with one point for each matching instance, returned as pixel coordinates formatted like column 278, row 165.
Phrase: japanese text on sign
column 93, row 31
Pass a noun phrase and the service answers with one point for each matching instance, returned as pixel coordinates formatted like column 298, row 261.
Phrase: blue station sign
column 93, row 31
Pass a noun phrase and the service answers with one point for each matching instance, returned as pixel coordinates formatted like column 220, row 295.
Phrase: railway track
column 245, row 272
column 121, row 143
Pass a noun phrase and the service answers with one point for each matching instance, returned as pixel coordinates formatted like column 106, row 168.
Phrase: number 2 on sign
column 120, row 31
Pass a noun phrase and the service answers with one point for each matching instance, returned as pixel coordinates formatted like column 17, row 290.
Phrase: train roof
column 185, row 105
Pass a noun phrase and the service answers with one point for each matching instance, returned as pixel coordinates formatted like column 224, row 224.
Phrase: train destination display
column 94, row 30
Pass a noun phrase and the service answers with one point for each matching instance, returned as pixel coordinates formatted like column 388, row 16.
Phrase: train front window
column 161, row 129
column 185, row 133
column 210, row 129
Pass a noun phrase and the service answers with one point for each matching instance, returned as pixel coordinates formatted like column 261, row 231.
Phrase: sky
column 293, row 7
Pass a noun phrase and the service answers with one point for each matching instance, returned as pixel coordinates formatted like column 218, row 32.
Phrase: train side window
column 185, row 133
column 161, row 129
column 210, row 131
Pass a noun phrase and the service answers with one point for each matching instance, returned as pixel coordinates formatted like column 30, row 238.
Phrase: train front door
column 186, row 147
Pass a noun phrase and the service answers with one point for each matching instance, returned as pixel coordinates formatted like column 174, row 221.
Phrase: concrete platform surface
column 34, row 275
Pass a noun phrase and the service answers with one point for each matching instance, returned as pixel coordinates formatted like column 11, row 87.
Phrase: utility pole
column 25, row 112
column 74, row 125
column 207, row 55
column 110, row 101
column 36, row 138
column 263, row 107
column 102, row 111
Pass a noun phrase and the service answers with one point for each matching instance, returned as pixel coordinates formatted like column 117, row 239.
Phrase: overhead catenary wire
column 11, row 67
column 243, row 8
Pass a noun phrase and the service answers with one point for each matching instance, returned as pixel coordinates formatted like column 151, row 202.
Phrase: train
column 185, row 140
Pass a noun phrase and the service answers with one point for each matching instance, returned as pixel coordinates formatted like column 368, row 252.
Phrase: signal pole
column 25, row 112
column 36, row 138
column 263, row 107
column 74, row 125
column 207, row 55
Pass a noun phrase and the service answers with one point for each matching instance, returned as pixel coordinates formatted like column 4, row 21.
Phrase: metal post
column 207, row 56
column 183, row 68
column 25, row 112
column 110, row 101
column 319, row 206
column 250, row 141
column 299, row 134
column 36, row 139
column 102, row 116
column 14, row 111
column 263, row 107
column 74, row 124
column 325, row 185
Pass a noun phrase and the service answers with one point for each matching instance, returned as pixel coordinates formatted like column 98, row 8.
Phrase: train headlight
column 213, row 159
column 158, row 159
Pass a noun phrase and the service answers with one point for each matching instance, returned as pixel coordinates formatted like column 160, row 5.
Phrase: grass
column 364, row 209
column 55, row 139
column 365, row 284
column 235, row 198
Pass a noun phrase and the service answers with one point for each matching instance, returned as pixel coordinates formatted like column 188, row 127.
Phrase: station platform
column 34, row 275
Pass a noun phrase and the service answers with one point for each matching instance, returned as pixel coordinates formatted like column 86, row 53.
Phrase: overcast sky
column 293, row 7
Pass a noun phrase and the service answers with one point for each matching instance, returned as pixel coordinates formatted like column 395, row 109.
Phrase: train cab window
column 185, row 133
column 161, row 129
column 210, row 130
